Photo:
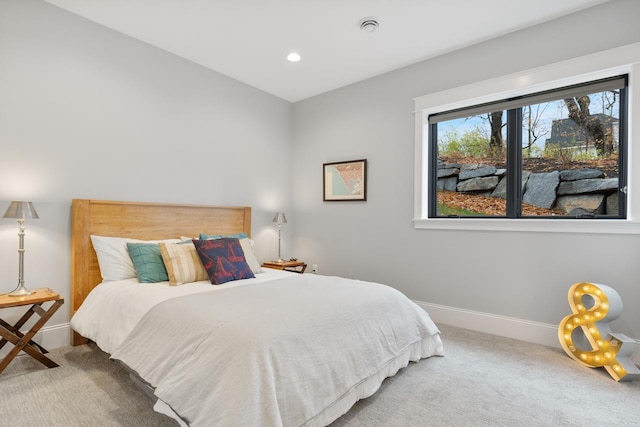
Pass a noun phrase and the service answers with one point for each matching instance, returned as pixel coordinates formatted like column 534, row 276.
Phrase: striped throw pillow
column 182, row 262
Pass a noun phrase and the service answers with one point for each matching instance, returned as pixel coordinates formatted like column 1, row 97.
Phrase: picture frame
column 344, row 181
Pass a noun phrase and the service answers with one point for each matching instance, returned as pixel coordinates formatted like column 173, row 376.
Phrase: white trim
column 504, row 326
column 613, row 226
column 50, row 337
column 511, row 327
column 613, row 62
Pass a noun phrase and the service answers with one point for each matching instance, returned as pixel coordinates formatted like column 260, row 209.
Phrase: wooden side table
column 12, row 334
column 294, row 266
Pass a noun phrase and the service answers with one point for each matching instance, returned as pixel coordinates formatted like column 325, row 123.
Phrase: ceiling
column 249, row 40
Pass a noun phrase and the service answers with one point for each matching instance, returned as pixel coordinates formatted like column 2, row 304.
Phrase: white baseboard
column 49, row 337
column 510, row 327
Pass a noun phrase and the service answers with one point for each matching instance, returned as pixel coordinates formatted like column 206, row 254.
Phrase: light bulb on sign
column 612, row 353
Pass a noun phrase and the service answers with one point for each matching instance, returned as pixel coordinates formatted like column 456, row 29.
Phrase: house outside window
column 558, row 153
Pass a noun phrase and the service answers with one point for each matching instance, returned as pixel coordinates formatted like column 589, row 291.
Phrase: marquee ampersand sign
column 586, row 336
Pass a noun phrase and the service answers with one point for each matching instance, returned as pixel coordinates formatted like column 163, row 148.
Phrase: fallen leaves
column 487, row 205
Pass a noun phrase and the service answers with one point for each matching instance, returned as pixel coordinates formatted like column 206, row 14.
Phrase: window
column 557, row 153
column 579, row 72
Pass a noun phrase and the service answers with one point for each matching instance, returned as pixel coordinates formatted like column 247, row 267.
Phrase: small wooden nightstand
column 294, row 266
column 12, row 334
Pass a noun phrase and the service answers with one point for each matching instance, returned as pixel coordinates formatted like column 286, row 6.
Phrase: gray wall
column 517, row 274
column 86, row 112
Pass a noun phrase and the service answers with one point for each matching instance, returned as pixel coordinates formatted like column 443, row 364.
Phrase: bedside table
column 12, row 334
column 294, row 266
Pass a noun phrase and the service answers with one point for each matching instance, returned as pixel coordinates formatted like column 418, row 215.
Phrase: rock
column 613, row 204
column 447, row 172
column 501, row 189
column 541, row 189
column 469, row 166
column 574, row 191
column 582, row 186
column 475, row 173
column 478, row 184
column 584, row 204
column 576, row 174
column 447, row 184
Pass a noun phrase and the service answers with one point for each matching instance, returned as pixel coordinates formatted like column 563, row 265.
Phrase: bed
column 277, row 349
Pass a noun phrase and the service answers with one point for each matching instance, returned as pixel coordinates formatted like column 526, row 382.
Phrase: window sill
column 598, row 226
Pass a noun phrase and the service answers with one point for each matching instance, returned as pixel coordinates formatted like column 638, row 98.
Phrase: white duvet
column 296, row 350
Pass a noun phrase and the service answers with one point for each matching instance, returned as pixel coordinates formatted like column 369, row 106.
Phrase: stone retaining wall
column 574, row 192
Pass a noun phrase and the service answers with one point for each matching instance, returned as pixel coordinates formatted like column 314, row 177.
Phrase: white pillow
column 113, row 257
column 250, row 256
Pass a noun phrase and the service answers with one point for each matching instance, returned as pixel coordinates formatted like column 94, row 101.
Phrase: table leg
column 22, row 343
column 14, row 329
column 25, row 317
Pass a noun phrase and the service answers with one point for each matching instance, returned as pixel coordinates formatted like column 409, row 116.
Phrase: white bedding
column 114, row 308
column 279, row 350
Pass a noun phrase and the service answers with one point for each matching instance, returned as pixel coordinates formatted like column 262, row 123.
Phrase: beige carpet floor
column 483, row 380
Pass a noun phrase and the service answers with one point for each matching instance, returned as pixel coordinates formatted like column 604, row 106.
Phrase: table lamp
column 280, row 219
column 21, row 211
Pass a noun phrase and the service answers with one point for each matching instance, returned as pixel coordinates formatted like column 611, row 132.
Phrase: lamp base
column 20, row 291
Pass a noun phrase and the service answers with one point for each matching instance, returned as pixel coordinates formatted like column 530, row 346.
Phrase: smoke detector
column 369, row 25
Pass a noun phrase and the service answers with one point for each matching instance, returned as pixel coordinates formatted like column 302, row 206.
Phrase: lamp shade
column 280, row 218
column 21, row 210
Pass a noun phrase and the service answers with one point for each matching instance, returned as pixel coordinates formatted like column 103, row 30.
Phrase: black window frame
column 514, row 148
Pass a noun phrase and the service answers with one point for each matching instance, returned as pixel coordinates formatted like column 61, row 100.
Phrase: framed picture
column 345, row 181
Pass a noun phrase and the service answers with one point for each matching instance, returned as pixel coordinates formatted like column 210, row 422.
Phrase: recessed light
column 293, row 57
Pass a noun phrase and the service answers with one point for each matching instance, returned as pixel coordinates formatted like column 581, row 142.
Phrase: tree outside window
column 559, row 153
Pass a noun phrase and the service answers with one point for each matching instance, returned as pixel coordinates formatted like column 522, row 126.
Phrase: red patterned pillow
column 223, row 259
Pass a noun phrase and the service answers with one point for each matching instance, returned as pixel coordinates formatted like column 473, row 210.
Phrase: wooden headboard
column 145, row 221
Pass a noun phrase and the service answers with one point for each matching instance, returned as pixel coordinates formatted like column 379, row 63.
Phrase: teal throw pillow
column 148, row 262
column 220, row 236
